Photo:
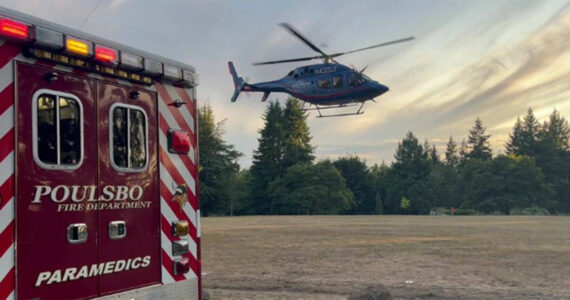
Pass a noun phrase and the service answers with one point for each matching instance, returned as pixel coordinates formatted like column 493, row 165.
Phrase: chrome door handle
column 117, row 230
column 77, row 233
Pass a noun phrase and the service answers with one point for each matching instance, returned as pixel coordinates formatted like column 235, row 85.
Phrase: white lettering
column 132, row 193
column 93, row 270
column 61, row 194
column 56, row 190
column 120, row 265
column 42, row 277
column 129, row 264
column 74, row 190
column 146, row 261
column 109, row 267
column 92, row 190
column 83, row 273
column 96, row 269
column 122, row 193
column 55, row 277
column 108, row 192
column 136, row 263
column 69, row 274
column 41, row 190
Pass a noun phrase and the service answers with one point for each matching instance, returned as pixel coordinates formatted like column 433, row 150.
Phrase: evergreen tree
column 379, row 174
column 503, row 184
column 554, row 158
column 218, row 164
column 409, row 150
column 514, row 144
column 463, row 151
column 529, row 137
column 478, row 142
column 451, row 157
column 268, row 158
column 310, row 189
column 433, row 155
column 409, row 177
column 360, row 181
column 556, row 132
column 524, row 138
column 297, row 141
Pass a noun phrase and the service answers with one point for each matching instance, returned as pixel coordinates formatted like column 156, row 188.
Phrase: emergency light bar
column 106, row 55
column 172, row 73
column 78, row 47
column 52, row 45
column 152, row 68
column 14, row 29
column 131, row 62
column 49, row 39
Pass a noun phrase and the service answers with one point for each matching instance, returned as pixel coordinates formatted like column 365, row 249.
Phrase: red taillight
column 14, row 29
column 178, row 141
column 106, row 55
column 181, row 266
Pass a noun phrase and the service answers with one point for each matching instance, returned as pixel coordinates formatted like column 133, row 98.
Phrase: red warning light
column 106, row 55
column 178, row 141
column 14, row 29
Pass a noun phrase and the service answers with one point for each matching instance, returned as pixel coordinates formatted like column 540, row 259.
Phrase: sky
column 487, row 59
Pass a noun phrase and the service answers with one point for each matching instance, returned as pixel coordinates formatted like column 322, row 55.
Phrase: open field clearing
column 415, row 257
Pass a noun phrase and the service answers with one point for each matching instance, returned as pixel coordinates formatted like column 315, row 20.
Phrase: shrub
column 465, row 212
column 530, row 211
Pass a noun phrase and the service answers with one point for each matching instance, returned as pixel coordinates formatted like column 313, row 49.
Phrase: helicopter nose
column 381, row 89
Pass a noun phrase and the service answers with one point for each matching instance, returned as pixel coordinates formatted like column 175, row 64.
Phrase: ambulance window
column 120, row 137
column 70, row 131
column 58, row 127
column 47, row 137
column 128, row 138
column 138, row 139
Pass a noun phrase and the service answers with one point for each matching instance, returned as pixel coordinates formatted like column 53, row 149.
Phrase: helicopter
column 327, row 85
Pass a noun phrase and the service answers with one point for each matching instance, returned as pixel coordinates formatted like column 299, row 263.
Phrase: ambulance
column 98, row 168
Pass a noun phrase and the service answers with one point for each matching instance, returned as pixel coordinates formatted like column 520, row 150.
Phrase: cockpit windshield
column 357, row 79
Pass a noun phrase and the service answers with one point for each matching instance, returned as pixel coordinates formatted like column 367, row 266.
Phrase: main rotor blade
column 302, row 38
column 375, row 46
column 287, row 60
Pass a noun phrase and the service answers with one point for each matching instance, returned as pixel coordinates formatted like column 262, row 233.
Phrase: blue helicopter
column 325, row 86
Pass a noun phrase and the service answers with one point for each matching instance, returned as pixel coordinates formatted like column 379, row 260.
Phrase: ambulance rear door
column 56, row 174
column 129, row 224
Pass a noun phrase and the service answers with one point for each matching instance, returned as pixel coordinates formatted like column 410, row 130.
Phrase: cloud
column 496, row 87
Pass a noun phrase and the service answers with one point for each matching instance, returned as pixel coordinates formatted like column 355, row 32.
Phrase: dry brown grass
column 425, row 257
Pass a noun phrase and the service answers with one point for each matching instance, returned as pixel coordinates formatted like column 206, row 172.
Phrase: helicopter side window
column 324, row 82
column 337, row 81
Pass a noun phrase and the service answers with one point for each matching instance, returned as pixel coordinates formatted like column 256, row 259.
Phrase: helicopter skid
column 340, row 115
column 318, row 109
column 329, row 107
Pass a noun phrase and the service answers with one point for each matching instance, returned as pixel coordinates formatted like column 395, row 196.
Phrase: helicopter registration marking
column 325, row 70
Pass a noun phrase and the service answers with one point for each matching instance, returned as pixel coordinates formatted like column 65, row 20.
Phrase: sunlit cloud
column 487, row 59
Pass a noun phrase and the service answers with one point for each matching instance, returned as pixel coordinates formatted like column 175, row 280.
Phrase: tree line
column 533, row 175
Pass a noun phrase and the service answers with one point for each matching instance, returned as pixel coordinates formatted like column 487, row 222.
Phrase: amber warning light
column 78, row 47
column 13, row 29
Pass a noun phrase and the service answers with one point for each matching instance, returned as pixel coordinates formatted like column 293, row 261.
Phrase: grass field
column 415, row 257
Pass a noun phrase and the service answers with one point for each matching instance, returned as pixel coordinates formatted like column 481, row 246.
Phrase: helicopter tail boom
column 239, row 83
